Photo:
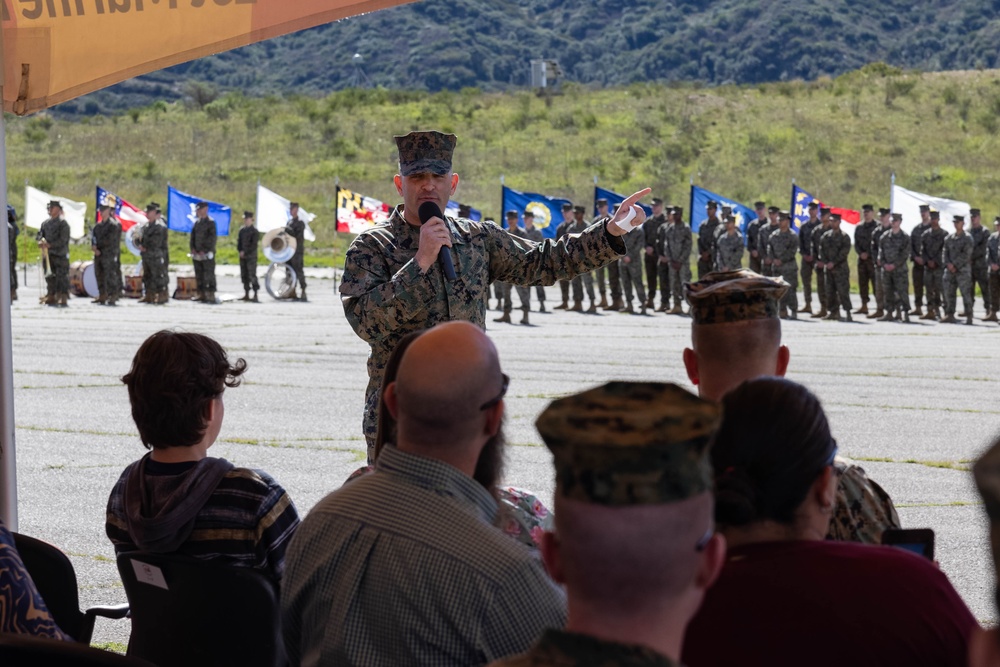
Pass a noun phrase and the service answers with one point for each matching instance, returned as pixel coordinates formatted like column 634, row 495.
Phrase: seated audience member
column 402, row 566
column 984, row 649
column 736, row 336
column 634, row 541
column 22, row 609
column 177, row 499
column 521, row 514
column 787, row 596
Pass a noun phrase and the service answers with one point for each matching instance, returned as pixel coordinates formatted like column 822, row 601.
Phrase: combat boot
column 906, row 316
column 888, row 317
column 648, row 304
column 628, row 309
column 164, row 297
column 929, row 315
column 663, row 307
column 964, row 313
column 593, row 308
column 524, row 318
column 13, row 295
column 505, row 318
column 917, row 312
column 806, row 309
column 847, row 316
column 949, row 319
column 145, row 298
column 676, row 310
column 210, row 297
column 541, row 307
column 968, row 319
column 822, row 314
column 101, row 298
column 616, row 305
column 246, row 295
column 577, row 306
column 642, row 311
column 877, row 314
column 562, row 306
column 604, row 301
column 990, row 317
column 62, row 299
column 863, row 310
column 832, row 315
column 303, row 297
column 255, row 299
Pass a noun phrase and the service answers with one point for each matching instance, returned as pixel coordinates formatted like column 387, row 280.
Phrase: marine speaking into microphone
column 430, row 210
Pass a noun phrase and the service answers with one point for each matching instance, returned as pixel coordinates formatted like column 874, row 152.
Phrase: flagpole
column 8, row 458
column 892, row 192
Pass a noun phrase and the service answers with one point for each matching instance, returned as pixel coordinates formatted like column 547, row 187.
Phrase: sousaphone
column 279, row 248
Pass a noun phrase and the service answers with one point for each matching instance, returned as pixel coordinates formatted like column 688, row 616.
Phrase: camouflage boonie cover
column 734, row 296
column 421, row 152
column 630, row 443
column 862, row 509
column 561, row 648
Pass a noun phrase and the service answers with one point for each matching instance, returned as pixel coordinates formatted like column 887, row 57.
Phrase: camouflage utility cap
column 630, row 443
column 734, row 296
column 423, row 152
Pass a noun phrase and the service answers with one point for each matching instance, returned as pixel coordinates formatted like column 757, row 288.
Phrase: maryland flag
column 356, row 212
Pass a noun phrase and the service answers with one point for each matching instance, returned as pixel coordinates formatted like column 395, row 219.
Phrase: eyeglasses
column 503, row 392
column 705, row 539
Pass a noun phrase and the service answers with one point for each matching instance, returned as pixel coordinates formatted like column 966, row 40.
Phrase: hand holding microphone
column 435, row 239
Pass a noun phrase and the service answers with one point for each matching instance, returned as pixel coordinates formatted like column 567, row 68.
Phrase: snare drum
column 187, row 287
column 83, row 279
column 133, row 287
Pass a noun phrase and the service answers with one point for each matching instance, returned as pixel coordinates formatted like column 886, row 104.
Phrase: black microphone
column 430, row 210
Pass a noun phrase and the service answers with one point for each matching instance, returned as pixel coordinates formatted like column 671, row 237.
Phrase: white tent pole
column 8, row 461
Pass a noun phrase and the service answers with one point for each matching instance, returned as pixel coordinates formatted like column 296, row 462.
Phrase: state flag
column 547, row 210
column 356, row 212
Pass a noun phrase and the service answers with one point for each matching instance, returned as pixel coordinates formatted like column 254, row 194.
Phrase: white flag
column 36, row 211
column 272, row 211
column 908, row 203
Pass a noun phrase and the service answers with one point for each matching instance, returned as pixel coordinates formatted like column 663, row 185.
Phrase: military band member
column 531, row 233
column 819, row 268
column 614, row 279
column 980, row 272
column 155, row 254
column 753, row 232
column 105, row 241
column 729, row 246
column 297, row 229
column 583, row 281
column 567, row 214
column 54, row 236
column 917, row 255
column 246, row 243
column 12, row 233
column 932, row 247
column 393, row 283
column 203, row 239
column 676, row 254
column 956, row 257
column 630, row 269
column 993, row 263
column 866, row 260
column 894, row 249
column 885, row 226
column 834, row 249
column 707, row 238
column 651, row 258
column 782, row 247
column 808, row 258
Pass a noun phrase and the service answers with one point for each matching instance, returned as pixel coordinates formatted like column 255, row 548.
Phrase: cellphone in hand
column 916, row 540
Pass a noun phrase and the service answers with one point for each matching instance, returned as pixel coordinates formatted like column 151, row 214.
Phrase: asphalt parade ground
column 913, row 403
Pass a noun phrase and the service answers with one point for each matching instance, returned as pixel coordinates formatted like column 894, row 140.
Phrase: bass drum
column 281, row 281
column 83, row 279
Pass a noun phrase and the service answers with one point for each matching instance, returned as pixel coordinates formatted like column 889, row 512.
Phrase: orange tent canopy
column 56, row 50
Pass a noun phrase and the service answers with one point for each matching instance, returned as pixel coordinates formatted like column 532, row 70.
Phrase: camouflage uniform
column 386, row 296
column 155, row 256
column 651, row 229
column 563, row 284
column 631, row 272
column 782, row 246
column 806, row 250
column 729, row 252
column 56, row 232
column 107, row 237
column 835, row 246
column 980, row 271
column 524, row 293
column 932, row 245
column 877, row 235
column 957, row 252
column 818, row 268
column 585, row 280
column 246, row 243
column 614, row 279
column 762, row 238
column 662, row 266
column 12, row 233
column 706, row 245
column 917, row 250
column 862, row 510
column 753, row 233
column 866, row 267
column 895, row 248
column 560, row 648
column 676, row 249
column 297, row 229
column 993, row 259
column 203, row 237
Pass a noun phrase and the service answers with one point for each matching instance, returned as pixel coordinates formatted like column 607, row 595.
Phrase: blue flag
column 700, row 198
column 800, row 206
column 181, row 214
column 547, row 210
column 615, row 198
column 452, row 210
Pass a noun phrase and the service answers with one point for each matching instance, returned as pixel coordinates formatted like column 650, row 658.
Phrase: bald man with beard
column 403, row 566
column 736, row 336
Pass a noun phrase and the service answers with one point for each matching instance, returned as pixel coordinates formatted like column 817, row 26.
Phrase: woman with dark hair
column 786, row 596
column 177, row 499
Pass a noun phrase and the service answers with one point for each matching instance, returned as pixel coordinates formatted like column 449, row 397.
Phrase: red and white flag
column 128, row 215
column 356, row 212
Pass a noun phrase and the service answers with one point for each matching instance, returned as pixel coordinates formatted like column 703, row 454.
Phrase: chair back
column 55, row 579
column 187, row 611
column 27, row 651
